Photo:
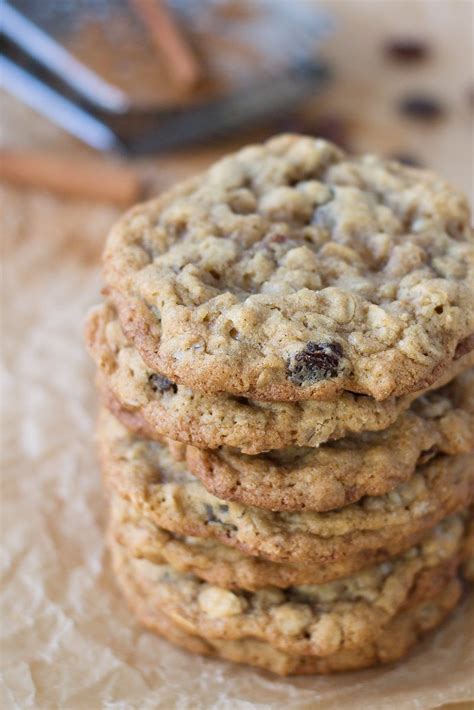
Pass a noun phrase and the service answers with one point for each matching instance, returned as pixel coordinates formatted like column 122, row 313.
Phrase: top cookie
column 292, row 271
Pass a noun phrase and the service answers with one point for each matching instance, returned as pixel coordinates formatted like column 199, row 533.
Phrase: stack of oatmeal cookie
column 285, row 364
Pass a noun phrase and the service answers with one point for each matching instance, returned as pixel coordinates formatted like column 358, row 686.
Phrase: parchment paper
column 68, row 640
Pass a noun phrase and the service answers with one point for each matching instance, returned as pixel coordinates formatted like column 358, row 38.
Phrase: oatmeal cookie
column 314, row 620
column 405, row 629
column 343, row 471
column 219, row 564
column 291, row 270
column 152, row 404
column 377, row 527
column 395, row 641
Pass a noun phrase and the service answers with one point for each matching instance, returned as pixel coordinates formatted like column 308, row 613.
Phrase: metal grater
column 88, row 65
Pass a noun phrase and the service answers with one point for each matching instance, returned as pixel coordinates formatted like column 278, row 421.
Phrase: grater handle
column 59, row 110
column 49, row 54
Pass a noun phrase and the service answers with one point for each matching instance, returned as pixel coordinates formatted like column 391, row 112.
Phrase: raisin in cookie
column 150, row 403
column 291, row 270
column 219, row 564
column 313, row 620
column 399, row 635
column 144, row 472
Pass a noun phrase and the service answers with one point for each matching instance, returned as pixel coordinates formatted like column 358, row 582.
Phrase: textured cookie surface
column 314, row 620
column 291, row 270
column 151, row 403
column 343, row 471
column 145, row 473
column 222, row 565
column 210, row 560
column 396, row 639
column 217, row 564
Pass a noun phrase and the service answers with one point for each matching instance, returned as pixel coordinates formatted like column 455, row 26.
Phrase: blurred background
column 112, row 100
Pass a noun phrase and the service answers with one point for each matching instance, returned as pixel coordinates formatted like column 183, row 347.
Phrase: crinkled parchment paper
column 68, row 640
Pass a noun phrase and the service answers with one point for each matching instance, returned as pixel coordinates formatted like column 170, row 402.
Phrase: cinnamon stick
column 169, row 40
column 71, row 176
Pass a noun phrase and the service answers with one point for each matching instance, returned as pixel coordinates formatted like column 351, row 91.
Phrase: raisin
column 214, row 520
column 158, row 383
column 407, row 50
column 211, row 518
column 317, row 361
column 422, row 107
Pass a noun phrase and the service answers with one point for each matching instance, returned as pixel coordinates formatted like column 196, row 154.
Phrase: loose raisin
column 421, row 107
column 407, row 50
